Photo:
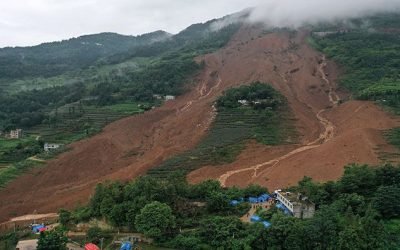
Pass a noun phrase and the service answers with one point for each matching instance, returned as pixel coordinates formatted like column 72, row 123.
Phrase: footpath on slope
column 326, row 135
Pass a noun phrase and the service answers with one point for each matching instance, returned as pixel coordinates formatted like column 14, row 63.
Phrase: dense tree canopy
column 349, row 215
column 155, row 220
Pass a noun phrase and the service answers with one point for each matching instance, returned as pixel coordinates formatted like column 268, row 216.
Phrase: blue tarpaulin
column 263, row 198
column 255, row 218
column 283, row 208
column 36, row 229
column 266, row 224
column 234, row 202
column 253, row 200
column 260, row 199
column 126, row 246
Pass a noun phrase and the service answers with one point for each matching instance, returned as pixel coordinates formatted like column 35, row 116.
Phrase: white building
column 300, row 206
column 16, row 134
column 169, row 97
column 157, row 96
column 243, row 102
column 51, row 146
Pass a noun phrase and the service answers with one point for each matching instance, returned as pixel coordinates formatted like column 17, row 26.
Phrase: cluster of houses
column 327, row 33
column 18, row 134
column 13, row 134
column 293, row 204
column 167, row 97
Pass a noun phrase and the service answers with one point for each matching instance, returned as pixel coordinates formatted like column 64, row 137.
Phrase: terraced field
column 227, row 136
column 75, row 121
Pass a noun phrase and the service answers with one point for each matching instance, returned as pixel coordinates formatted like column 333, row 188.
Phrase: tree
column 217, row 202
column 219, row 231
column 358, row 179
column 387, row 201
column 52, row 240
column 155, row 220
column 254, row 190
column 94, row 235
column 64, row 216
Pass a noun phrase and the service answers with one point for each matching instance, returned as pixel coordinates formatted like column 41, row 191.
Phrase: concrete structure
column 299, row 205
column 16, row 134
column 169, row 97
column 27, row 245
column 51, row 146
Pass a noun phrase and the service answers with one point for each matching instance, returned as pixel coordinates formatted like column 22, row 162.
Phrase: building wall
column 16, row 134
column 299, row 209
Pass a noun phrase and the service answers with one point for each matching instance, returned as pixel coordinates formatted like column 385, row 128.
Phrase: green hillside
column 369, row 51
column 55, row 58
column 266, row 119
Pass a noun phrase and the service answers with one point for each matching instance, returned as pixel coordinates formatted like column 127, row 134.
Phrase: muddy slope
column 129, row 147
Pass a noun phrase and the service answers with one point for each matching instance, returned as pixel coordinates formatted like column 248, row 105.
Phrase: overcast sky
column 30, row 22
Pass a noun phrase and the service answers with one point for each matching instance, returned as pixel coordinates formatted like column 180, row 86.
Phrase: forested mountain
column 50, row 59
column 169, row 61
column 55, row 58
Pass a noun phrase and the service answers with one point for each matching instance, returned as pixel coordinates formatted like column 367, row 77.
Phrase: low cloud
column 295, row 13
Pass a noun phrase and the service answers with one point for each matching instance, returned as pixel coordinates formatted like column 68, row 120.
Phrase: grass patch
column 393, row 137
column 371, row 63
column 232, row 127
column 11, row 172
column 76, row 121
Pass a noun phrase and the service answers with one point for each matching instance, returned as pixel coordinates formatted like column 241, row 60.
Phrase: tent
column 37, row 229
column 253, row 199
column 126, row 246
column 255, row 218
column 263, row 198
column 91, row 246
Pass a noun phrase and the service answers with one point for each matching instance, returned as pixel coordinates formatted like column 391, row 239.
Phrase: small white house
column 157, row 96
column 169, row 97
column 243, row 102
column 51, row 146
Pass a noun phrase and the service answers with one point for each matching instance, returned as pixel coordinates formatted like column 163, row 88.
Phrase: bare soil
column 331, row 135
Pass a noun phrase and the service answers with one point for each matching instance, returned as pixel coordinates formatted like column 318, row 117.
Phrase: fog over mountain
column 32, row 22
column 289, row 13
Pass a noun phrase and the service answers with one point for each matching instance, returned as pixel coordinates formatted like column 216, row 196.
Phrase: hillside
column 55, row 58
column 332, row 129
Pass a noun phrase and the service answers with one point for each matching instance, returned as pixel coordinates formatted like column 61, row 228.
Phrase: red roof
column 42, row 229
column 91, row 246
